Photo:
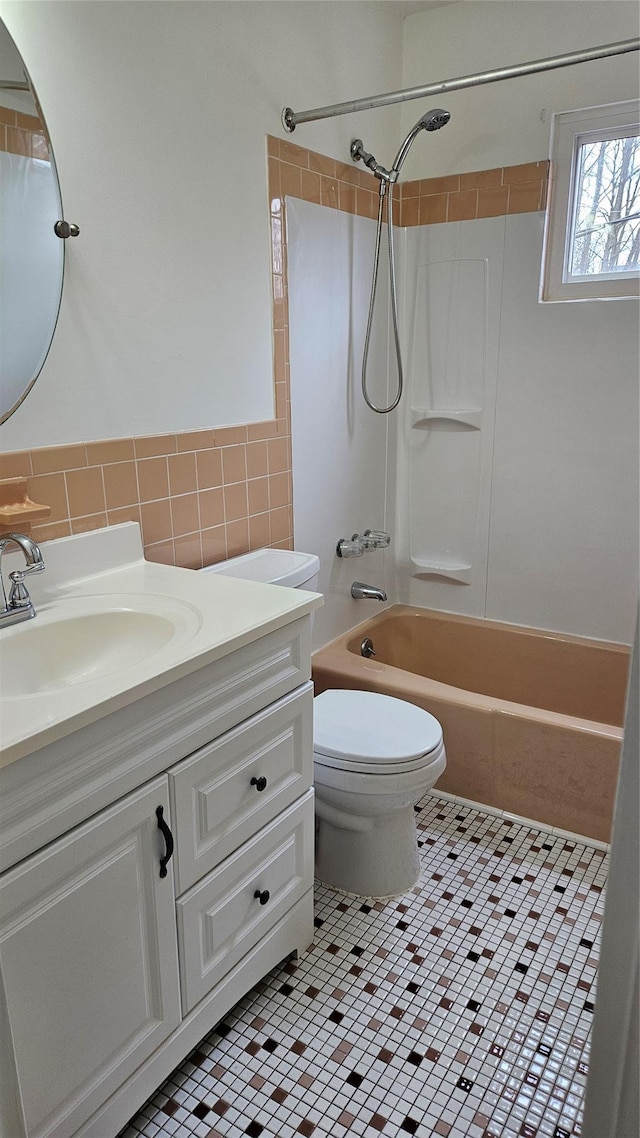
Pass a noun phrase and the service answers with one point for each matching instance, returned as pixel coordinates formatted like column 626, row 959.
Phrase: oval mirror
column 31, row 255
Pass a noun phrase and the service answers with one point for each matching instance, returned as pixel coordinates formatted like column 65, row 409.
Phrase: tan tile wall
column 202, row 496
column 22, row 134
column 199, row 496
column 301, row 173
column 485, row 193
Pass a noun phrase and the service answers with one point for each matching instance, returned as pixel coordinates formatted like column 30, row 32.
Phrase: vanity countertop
column 147, row 625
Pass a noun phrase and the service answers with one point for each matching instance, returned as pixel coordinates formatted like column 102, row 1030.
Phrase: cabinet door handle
column 259, row 783
column 262, row 895
column 168, row 841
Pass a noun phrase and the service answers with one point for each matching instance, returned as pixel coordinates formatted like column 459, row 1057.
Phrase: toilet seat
column 423, row 762
column 375, row 734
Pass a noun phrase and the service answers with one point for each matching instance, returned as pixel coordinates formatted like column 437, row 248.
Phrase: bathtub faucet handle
column 376, row 539
column 353, row 548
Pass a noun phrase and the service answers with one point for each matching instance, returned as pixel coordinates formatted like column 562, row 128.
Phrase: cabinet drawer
column 214, row 802
column 222, row 918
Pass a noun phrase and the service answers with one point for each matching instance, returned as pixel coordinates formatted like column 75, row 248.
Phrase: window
column 592, row 236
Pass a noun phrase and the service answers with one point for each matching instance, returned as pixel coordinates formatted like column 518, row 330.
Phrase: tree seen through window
column 606, row 229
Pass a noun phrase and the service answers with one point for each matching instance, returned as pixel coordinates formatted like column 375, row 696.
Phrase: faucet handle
column 376, row 539
column 353, row 548
column 20, row 574
column 19, row 606
column 18, row 594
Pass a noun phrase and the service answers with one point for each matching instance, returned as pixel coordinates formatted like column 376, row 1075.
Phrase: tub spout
column 360, row 591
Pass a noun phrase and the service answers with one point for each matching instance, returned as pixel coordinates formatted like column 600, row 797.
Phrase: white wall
column 506, row 123
column 158, row 113
column 339, row 445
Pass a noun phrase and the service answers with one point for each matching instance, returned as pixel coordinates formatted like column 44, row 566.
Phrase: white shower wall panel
column 531, row 476
column 451, row 300
column 563, row 550
column 339, row 445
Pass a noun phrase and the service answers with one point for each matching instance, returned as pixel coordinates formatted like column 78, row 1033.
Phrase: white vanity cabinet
column 89, row 962
column 110, row 972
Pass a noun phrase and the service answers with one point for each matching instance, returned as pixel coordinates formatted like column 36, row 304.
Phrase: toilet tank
column 274, row 567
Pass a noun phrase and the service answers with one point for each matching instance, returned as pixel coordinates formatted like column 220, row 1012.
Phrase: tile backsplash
column 22, row 134
column 199, row 496
column 202, row 496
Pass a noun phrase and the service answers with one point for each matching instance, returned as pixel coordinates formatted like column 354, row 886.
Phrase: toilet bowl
column 374, row 757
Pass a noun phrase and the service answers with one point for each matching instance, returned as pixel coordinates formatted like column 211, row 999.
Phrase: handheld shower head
column 433, row 120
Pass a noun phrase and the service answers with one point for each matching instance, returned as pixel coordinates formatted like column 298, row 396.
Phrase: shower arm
column 290, row 118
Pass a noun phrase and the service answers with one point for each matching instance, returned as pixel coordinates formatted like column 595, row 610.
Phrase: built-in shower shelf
column 432, row 567
column 465, row 417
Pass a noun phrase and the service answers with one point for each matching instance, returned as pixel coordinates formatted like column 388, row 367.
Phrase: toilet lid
column 362, row 726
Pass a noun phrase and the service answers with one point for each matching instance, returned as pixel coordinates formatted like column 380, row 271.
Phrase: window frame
column 569, row 130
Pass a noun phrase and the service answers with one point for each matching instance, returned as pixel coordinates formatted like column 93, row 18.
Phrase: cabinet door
column 89, row 962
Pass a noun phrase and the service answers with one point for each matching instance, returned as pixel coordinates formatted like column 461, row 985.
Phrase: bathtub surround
column 461, row 1010
column 512, row 466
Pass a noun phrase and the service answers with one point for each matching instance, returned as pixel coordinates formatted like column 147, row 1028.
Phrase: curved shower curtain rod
column 290, row 119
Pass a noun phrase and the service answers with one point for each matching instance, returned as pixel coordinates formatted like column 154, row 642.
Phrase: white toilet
column 273, row 567
column 374, row 758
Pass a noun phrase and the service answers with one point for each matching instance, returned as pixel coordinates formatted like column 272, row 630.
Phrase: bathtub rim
column 338, row 658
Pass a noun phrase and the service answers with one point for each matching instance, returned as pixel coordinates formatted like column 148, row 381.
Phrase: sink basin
column 81, row 641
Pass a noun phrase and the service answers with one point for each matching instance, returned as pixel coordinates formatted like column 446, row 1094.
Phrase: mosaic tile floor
column 461, row 1010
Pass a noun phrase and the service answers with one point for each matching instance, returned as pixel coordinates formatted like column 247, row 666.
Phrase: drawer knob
column 262, row 895
column 259, row 783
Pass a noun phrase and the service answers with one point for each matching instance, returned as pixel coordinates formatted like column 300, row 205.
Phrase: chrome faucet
column 360, row 591
column 19, row 606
